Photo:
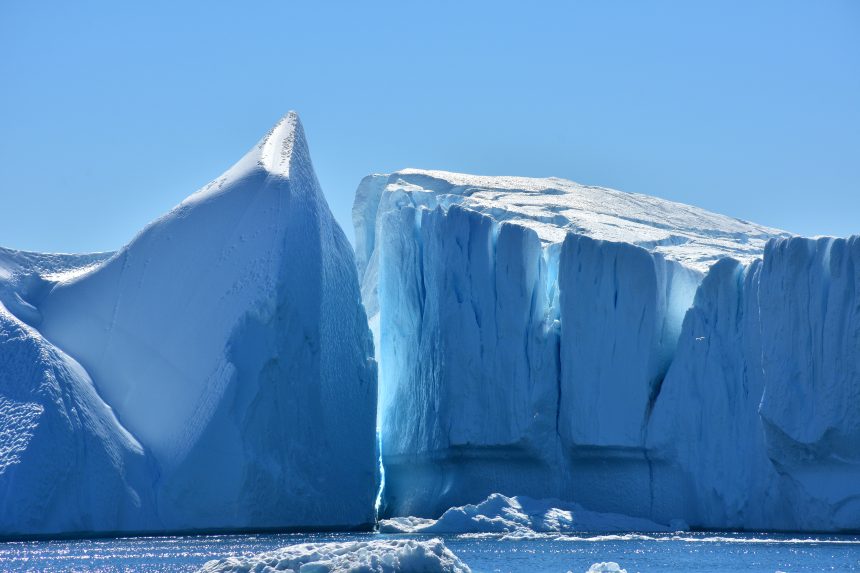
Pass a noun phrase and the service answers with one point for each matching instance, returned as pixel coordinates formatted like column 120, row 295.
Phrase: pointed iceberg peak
column 284, row 143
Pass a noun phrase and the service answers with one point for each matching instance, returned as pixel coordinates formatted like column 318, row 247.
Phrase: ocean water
column 688, row 552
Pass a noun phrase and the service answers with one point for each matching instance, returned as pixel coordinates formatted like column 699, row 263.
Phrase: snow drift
column 378, row 556
column 66, row 463
column 543, row 338
column 228, row 340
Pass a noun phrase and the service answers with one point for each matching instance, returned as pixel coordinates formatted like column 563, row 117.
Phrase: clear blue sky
column 113, row 112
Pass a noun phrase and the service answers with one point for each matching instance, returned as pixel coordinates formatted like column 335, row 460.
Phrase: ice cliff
column 543, row 338
column 215, row 373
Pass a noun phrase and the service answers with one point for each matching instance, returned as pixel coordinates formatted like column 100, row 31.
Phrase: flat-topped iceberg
column 544, row 338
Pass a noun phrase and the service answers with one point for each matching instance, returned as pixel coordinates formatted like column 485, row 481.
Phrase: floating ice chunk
column 606, row 567
column 377, row 556
column 519, row 515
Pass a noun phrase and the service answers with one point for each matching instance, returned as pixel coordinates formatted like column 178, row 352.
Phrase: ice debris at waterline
column 606, row 567
column 520, row 516
column 639, row 356
column 216, row 372
column 378, row 556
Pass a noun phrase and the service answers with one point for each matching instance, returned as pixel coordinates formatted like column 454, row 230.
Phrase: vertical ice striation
column 809, row 298
column 705, row 436
column 464, row 349
column 621, row 311
column 631, row 354
column 525, row 329
column 759, row 419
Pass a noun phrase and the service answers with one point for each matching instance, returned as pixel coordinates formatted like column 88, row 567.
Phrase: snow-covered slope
column 532, row 340
column 229, row 339
column 66, row 463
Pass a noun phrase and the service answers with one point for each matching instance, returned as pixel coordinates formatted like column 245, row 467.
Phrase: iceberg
column 523, row 330
column 534, row 337
column 376, row 556
column 606, row 567
column 520, row 517
column 543, row 338
column 215, row 373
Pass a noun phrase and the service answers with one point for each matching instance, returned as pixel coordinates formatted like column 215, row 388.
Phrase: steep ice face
column 705, row 436
column 552, row 208
column 525, row 330
column 230, row 341
column 621, row 308
column 765, row 378
column 463, row 349
column 810, row 364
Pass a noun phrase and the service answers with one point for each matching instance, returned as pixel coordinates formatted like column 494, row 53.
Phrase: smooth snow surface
column 379, row 556
column 216, row 372
column 521, row 516
column 638, row 356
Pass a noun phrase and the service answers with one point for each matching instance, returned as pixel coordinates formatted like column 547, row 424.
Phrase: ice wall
column 634, row 355
column 621, row 308
column 705, row 439
column 464, row 341
column 766, row 380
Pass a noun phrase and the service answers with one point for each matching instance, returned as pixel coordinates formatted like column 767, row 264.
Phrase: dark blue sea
column 687, row 552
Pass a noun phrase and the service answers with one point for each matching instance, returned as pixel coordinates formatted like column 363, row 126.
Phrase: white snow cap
column 389, row 556
column 276, row 149
column 553, row 207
